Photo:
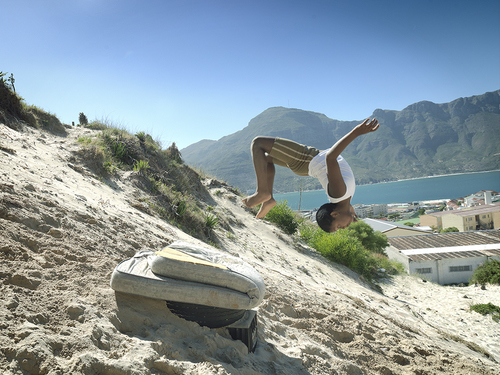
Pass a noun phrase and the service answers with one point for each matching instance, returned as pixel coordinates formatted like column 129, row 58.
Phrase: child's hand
column 367, row 126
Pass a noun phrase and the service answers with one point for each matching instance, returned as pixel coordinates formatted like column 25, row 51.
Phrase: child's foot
column 265, row 208
column 256, row 198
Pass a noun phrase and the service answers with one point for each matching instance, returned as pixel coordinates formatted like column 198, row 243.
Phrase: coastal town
column 442, row 241
column 477, row 211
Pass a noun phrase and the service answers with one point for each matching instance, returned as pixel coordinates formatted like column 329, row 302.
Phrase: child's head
column 330, row 218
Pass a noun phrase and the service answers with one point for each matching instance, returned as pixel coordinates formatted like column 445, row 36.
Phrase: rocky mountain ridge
column 423, row 139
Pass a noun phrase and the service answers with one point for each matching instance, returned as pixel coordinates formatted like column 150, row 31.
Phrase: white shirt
column 317, row 168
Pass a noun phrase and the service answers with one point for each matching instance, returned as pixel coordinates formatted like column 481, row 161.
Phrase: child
column 328, row 166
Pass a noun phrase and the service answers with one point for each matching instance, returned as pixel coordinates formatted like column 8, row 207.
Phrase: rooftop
column 449, row 245
column 384, row 226
column 452, row 254
column 494, row 207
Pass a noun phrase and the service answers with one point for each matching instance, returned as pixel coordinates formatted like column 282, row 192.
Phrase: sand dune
column 62, row 232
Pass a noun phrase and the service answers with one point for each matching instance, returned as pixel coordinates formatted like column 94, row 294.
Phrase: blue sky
column 184, row 71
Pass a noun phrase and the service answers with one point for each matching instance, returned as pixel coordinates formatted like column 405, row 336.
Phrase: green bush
column 347, row 247
column 342, row 247
column 284, row 217
column 449, row 230
column 82, row 119
column 308, row 231
column 487, row 273
column 374, row 241
column 390, row 266
column 487, row 308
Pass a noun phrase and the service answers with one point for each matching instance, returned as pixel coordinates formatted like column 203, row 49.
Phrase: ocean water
column 419, row 189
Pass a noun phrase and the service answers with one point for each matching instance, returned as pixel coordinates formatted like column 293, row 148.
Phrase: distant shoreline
column 405, row 179
column 440, row 175
column 409, row 190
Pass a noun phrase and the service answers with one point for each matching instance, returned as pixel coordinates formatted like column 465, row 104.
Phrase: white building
column 371, row 210
column 480, row 198
column 446, row 258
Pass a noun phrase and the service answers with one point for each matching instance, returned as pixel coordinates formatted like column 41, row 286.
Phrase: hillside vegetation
column 75, row 201
column 424, row 139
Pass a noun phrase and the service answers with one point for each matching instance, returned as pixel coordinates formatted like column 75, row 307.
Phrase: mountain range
column 423, row 139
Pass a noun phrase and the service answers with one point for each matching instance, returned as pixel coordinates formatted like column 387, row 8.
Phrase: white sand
column 62, row 231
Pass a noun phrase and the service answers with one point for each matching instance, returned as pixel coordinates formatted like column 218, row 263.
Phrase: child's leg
column 264, row 171
column 266, row 152
column 270, row 203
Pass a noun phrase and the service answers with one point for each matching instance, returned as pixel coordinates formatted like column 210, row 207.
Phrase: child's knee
column 262, row 143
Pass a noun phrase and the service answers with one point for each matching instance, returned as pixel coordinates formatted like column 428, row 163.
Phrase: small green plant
column 211, row 220
column 156, row 186
column 173, row 153
column 141, row 136
column 487, row 308
column 109, row 167
column 118, row 149
column 141, row 165
column 284, row 217
column 11, row 81
column 487, row 273
column 85, row 140
column 181, row 208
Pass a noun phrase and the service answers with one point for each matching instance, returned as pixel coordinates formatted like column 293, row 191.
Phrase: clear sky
column 187, row 70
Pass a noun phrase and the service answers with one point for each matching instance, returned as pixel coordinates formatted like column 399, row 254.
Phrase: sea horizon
column 439, row 175
column 404, row 179
column 442, row 187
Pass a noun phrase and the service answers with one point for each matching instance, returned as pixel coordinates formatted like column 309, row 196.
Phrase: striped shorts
column 293, row 155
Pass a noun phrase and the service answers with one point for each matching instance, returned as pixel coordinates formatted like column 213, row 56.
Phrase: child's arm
column 336, row 185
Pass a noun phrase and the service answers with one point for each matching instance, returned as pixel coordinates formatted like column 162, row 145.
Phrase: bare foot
column 265, row 208
column 256, row 198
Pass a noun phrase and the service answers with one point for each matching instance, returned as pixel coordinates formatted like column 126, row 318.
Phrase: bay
column 403, row 191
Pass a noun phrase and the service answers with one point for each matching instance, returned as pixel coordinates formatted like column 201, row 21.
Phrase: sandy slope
column 62, row 231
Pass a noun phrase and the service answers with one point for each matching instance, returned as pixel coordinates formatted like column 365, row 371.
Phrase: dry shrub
column 13, row 109
column 38, row 118
column 10, row 107
column 9, row 101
